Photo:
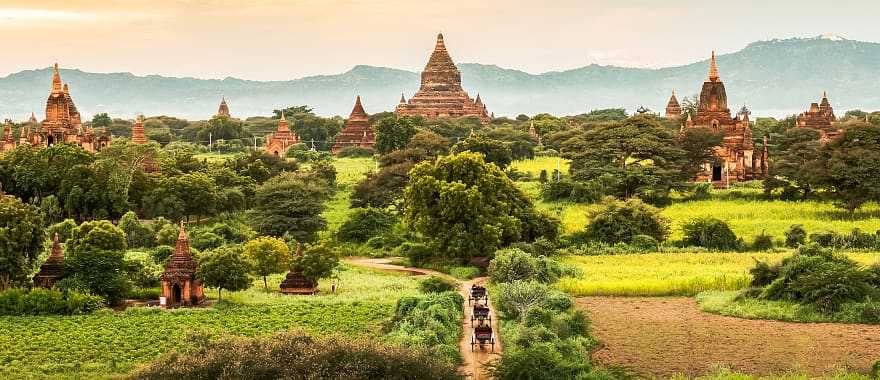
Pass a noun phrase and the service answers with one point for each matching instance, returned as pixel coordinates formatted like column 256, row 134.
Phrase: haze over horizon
column 271, row 40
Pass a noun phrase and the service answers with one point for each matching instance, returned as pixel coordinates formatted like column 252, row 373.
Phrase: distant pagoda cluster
column 441, row 94
column 820, row 117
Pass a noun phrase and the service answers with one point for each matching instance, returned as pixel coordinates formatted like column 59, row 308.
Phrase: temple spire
column 56, row 79
column 713, row 68
column 402, row 99
column 358, row 109
column 440, row 44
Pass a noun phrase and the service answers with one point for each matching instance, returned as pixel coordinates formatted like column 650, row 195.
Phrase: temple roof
column 223, row 110
column 358, row 109
column 402, row 99
column 673, row 101
column 181, row 263
column 440, row 58
column 56, row 80
column 713, row 68
column 137, row 131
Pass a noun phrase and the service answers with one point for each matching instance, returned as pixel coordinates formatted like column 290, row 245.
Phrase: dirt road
column 665, row 336
column 473, row 361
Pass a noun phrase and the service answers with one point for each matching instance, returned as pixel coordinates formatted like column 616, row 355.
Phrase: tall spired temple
column 820, row 117
column 440, row 94
column 357, row 131
column 278, row 142
column 223, row 110
column 737, row 160
column 673, row 109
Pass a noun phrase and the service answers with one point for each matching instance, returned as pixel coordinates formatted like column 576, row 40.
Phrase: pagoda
column 441, row 94
column 357, row 131
column 279, row 142
column 180, row 286
column 295, row 282
column 8, row 139
column 820, row 117
column 139, row 138
column 673, row 109
column 737, row 160
column 223, row 110
column 52, row 269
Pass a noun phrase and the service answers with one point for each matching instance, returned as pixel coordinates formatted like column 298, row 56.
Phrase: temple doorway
column 50, row 140
column 176, row 295
column 716, row 173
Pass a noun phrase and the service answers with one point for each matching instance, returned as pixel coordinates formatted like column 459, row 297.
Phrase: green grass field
column 669, row 274
column 349, row 171
column 726, row 303
column 107, row 343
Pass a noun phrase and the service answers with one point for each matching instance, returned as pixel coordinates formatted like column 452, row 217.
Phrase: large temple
column 441, row 94
column 820, row 117
column 357, row 131
column 278, row 142
column 737, row 159
column 63, row 123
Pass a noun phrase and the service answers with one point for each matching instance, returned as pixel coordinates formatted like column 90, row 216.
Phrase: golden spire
column 56, row 79
column 713, row 69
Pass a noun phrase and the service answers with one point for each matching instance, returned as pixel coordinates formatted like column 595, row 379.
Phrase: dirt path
column 666, row 336
column 473, row 361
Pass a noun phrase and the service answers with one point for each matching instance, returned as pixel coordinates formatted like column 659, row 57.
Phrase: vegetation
column 291, row 205
column 95, row 260
column 710, row 233
column 47, row 302
column 431, row 322
column 267, row 255
column 21, row 236
column 224, row 268
column 617, row 222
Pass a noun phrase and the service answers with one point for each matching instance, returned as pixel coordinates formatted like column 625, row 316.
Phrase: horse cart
column 478, row 293
column 481, row 314
column 482, row 337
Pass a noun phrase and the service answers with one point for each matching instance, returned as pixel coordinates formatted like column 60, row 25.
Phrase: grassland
column 349, row 171
column 107, row 343
column 669, row 274
column 726, row 303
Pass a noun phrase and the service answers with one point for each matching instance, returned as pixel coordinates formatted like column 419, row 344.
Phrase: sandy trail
column 473, row 361
column 665, row 336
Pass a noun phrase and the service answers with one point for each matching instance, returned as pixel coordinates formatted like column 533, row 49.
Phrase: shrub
column 763, row 242
column 536, row 362
column 430, row 322
column 618, row 221
column 436, row 284
column 47, row 302
column 795, row 236
column 161, row 253
column 709, row 233
column 365, row 223
column 355, row 151
column 136, row 234
column 513, row 299
column 515, row 265
column 295, row 355
column 875, row 370
column 464, row 273
column 416, row 252
column 645, row 243
column 205, row 240
column 64, row 229
column 824, row 239
column 763, row 274
column 141, row 270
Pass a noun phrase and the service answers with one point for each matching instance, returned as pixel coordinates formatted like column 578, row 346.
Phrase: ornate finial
column 440, row 44
column 713, row 68
column 402, row 99
column 282, row 115
column 56, row 79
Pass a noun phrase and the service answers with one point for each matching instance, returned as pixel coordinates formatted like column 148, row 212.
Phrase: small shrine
column 180, row 286
column 295, row 282
column 52, row 270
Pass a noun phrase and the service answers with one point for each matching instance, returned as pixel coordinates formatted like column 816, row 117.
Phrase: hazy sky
column 278, row 40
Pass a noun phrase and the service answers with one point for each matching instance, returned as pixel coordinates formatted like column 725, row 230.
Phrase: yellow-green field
column 535, row 165
column 349, row 171
column 669, row 274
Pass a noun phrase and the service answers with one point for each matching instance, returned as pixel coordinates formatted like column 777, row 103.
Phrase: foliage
column 267, row 255
column 47, row 302
column 290, row 204
column 64, row 229
column 431, row 322
column 95, row 257
column 467, row 208
column 493, row 151
column 141, row 270
column 848, row 169
column 316, row 262
column 365, row 223
column 709, row 233
column 137, row 235
column 224, row 268
column 393, row 132
column 355, row 151
column 382, row 188
column 618, row 221
column 795, row 236
column 741, row 304
column 436, row 284
column 21, row 237
column 763, row 242
column 511, row 265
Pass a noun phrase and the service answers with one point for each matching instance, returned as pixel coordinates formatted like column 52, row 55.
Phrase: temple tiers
column 137, row 132
column 357, row 131
column 295, row 282
column 673, row 109
column 441, row 94
column 279, row 142
column 820, row 117
column 738, row 161
column 52, row 270
column 223, row 110
column 180, row 286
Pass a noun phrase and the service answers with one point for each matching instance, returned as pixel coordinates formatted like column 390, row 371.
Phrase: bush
column 365, row 223
column 464, row 273
column 355, row 151
column 795, row 236
column 537, row 362
column 295, row 355
column 645, row 243
column 511, row 265
column 875, row 370
column 436, row 284
column 47, row 302
column 710, row 233
column 64, row 229
column 417, row 253
column 430, row 322
column 762, row 242
column 618, row 221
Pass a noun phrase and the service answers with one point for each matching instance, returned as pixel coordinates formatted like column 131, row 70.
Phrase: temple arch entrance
column 50, row 140
column 176, row 295
column 716, row 173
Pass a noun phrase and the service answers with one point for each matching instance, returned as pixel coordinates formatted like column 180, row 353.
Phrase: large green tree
column 267, row 255
column 494, row 151
column 394, row 132
column 290, row 204
column 95, row 258
column 466, row 207
column 21, row 240
column 849, row 166
column 225, row 268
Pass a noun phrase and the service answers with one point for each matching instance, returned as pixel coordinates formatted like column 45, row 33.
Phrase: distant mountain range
column 773, row 78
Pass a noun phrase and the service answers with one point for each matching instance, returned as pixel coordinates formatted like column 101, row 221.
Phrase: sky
column 289, row 39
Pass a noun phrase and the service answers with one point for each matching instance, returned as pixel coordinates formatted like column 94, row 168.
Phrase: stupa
column 357, row 131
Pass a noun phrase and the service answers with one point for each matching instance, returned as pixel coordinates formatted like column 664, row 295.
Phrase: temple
column 820, row 117
column 278, row 142
column 63, row 123
column 52, row 270
column 138, row 137
column 295, row 282
column 673, row 109
column 357, row 131
column 180, row 286
column 737, row 160
column 223, row 110
column 441, row 94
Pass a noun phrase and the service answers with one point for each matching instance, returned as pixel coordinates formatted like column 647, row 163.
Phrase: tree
column 641, row 156
column 95, row 257
column 518, row 296
column 849, row 166
column 101, row 120
column 267, row 255
column 136, row 234
column 225, row 268
column 316, row 262
column 796, row 162
column 618, row 221
column 221, row 128
column 21, row 237
column 494, row 151
column 365, row 223
column 183, row 195
column 290, row 204
column 382, row 188
column 394, row 132
column 466, row 207
column 699, row 145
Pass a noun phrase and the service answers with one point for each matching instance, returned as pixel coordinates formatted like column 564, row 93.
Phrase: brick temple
column 441, row 94
column 357, row 131
column 820, row 117
column 737, row 160
column 52, row 269
column 63, row 123
column 295, row 282
column 180, row 286
column 278, row 142
column 673, row 108
column 223, row 109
